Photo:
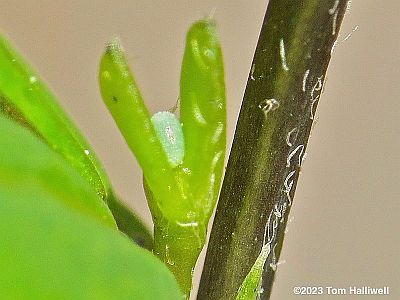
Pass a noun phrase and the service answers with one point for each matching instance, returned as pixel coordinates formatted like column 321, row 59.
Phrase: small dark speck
column 114, row 98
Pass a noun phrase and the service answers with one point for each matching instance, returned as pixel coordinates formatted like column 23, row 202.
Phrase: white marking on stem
column 288, row 186
column 305, row 79
column 291, row 154
column 268, row 104
column 190, row 224
column 334, row 8
column 273, row 262
column 334, row 11
column 284, row 206
column 335, row 43
column 312, row 107
column 317, row 86
column 266, row 229
column 277, row 211
column 289, row 135
column 283, row 55
column 334, row 22
column 252, row 72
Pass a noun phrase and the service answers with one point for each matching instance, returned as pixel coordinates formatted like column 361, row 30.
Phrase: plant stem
column 176, row 244
column 179, row 247
column 129, row 223
column 282, row 93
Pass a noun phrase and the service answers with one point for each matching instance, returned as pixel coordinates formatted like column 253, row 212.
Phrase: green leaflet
column 26, row 161
column 24, row 98
column 182, row 167
column 124, row 101
column 249, row 289
column 203, row 111
column 51, row 252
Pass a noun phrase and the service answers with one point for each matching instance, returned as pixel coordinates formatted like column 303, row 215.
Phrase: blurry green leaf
column 26, row 161
column 51, row 252
column 23, row 94
column 25, row 99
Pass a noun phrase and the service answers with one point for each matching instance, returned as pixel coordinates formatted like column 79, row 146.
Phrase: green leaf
column 250, row 287
column 24, row 94
column 51, row 252
column 203, row 111
column 24, row 98
column 26, row 161
column 122, row 97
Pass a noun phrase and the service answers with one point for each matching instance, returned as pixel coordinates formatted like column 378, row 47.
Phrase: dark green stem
column 129, row 223
column 282, row 93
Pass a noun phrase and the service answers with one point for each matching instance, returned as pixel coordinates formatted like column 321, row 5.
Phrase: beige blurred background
column 344, row 227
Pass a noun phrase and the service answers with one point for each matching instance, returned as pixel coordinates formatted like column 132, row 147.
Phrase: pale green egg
column 170, row 134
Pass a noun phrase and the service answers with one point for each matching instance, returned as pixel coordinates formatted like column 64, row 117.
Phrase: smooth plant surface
column 59, row 240
column 26, row 98
column 182, row 160
column 26, row 161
